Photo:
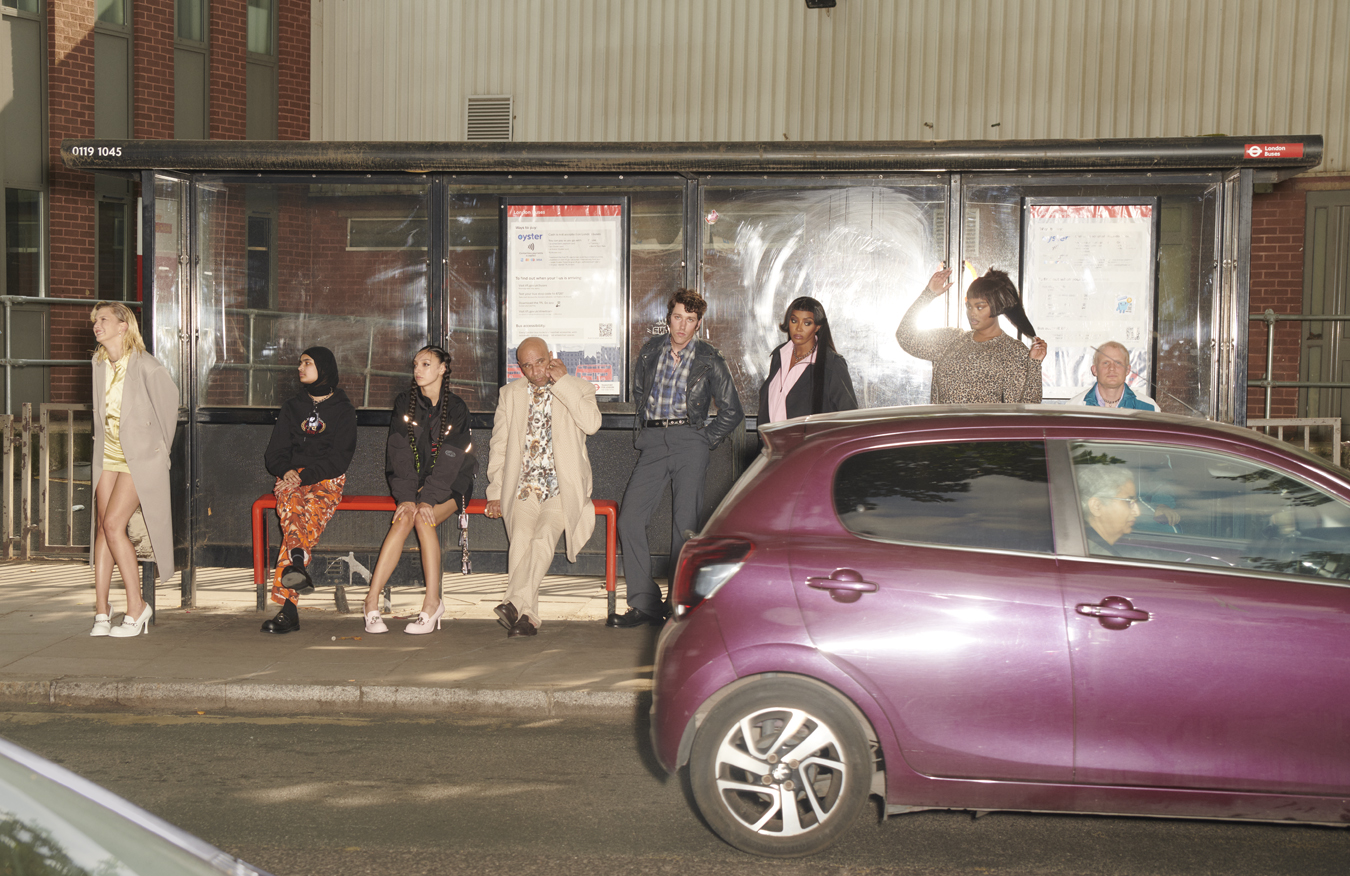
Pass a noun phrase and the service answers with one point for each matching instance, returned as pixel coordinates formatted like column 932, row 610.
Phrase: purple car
column 1016, row 608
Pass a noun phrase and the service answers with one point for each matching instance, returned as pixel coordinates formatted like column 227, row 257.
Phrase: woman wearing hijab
column 311, row 447
column 983, row 365
column 806, row 375
column 135, row 415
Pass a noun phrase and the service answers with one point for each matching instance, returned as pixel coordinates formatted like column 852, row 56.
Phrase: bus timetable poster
column 564, row 283
column 1089, row 278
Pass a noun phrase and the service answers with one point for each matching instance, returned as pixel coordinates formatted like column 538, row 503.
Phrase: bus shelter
column 252, row 251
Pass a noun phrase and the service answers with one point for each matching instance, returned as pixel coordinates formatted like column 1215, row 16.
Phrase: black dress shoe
column 507, row 615
column 294, row 576
column 522, row 627
column 281, row 624
column 634, row 617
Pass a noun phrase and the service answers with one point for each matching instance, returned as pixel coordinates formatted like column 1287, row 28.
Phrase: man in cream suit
column 539, row 475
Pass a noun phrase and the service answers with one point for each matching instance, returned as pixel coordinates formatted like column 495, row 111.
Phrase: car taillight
column 705, row 565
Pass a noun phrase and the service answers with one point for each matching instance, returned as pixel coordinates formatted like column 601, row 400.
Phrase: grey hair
column 1096, row 480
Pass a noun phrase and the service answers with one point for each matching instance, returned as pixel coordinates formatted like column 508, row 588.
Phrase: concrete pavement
column 213, row 657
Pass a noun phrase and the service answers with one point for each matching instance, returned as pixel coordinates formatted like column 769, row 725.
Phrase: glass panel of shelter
column 351, row 276
column 1185, row 286
column 865, row 248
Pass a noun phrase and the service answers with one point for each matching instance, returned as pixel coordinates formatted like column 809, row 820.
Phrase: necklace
column 798, row 357
column 314, row 424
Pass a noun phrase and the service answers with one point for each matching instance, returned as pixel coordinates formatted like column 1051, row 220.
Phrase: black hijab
column 326, row 365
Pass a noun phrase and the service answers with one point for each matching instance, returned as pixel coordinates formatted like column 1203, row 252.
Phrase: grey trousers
column 677, row 455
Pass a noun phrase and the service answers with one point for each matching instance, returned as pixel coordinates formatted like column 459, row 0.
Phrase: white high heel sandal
column 375, row 623
column 426, row 622
column 133, row 626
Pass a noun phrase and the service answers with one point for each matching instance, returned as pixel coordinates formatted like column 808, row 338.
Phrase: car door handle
column 846, row 585
column 1114, row 612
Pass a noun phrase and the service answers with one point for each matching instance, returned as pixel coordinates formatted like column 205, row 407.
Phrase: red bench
column 605, row 507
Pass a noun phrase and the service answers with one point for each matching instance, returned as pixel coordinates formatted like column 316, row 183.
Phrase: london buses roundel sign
column 1273, row 150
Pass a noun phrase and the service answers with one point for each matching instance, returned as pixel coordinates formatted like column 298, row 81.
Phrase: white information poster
column 564, row 283
column 1088, row 279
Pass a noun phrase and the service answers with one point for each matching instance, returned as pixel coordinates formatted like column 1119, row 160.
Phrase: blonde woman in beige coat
column 135, row 415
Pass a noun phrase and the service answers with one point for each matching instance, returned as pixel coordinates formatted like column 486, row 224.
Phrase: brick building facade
column 70, row 102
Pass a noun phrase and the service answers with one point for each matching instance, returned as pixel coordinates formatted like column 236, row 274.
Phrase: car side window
column 1208, row 508
column 984, row 494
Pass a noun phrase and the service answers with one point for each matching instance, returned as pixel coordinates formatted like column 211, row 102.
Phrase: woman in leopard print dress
column 982, row 365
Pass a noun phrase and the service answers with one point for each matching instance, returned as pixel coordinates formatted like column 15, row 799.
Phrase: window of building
column 375, row 233
column 23, row 242
column 22, row 5
column 992, row 495
column 192, row 90
column 111, row 11
column 116, row 267
column 260, row 262
column 261, row 27
column 190, row 21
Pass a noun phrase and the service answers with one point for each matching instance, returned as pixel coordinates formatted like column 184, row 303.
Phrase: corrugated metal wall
column 636, row 70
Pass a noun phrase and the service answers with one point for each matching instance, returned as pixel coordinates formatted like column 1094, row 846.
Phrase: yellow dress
column 113, row 460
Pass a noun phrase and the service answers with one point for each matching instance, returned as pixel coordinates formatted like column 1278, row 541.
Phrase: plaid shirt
column 667, row 398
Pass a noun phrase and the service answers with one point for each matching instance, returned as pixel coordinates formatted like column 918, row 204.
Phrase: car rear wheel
column 781, row 768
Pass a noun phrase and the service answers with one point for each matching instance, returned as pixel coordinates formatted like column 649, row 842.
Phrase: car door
column 1215, row 655
column 931, row 581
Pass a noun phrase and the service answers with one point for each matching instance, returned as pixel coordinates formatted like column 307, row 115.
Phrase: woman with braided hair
column 982, row 365
column 430, row 465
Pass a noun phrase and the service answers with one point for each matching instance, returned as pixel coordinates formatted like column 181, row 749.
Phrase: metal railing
column 1271, row 318
column 62, row 458
column 9, row 362
column 1307, row 424
column 371, row 325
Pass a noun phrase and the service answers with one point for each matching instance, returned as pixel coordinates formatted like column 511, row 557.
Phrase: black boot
column 286, row 621
column 294, row 576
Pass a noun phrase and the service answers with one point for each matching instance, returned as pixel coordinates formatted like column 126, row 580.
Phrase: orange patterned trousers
column 303, row 511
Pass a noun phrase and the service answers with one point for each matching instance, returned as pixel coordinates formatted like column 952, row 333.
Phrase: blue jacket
column 1127, row 400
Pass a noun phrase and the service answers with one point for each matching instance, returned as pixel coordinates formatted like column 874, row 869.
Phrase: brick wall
column 71, row 215
column 1278, row 221
column 229, row 81
column 293, row 70
column 152, row 70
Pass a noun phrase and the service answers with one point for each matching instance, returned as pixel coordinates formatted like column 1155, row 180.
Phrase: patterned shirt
column 669, row 388
column 538, row 476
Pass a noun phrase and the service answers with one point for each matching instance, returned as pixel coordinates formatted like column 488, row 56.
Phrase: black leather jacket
column 709, row 380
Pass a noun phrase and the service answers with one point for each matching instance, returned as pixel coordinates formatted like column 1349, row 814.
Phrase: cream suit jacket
column 575, row 415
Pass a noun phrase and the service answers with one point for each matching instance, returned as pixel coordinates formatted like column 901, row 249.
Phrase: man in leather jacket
column 676, row 380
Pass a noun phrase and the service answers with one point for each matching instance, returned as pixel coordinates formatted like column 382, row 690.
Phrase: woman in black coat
column 430, row 465
column 806, row 375
column 311, row 448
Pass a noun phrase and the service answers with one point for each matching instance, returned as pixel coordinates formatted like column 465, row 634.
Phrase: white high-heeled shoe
column 425, row 623
column 375, row 623
column 133, row 626
column 102, row 625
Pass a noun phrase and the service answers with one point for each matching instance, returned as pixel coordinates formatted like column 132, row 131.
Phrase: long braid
column 409, row 419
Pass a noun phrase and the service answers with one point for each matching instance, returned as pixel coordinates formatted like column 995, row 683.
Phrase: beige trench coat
column 149, row 418
column 575, row 415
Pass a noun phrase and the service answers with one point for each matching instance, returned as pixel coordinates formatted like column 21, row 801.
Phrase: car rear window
column 984, row 494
